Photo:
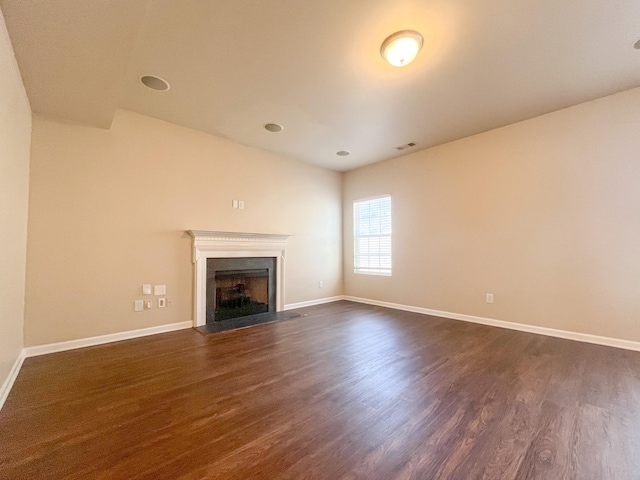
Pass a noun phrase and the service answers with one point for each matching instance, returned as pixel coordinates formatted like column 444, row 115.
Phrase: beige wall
column 15, row 130
column 544, row 214
column 109, row 209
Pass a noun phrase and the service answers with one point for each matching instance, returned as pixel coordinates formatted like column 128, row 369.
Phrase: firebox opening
column 240, row 287
column 241, row 292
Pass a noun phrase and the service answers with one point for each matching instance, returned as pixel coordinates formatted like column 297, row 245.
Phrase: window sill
column 378, row 274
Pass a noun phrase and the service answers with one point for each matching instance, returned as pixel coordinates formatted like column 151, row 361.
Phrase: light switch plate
column 162, row 302
column 160, row 290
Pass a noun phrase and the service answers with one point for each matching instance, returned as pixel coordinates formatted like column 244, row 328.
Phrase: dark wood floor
column 348, row 392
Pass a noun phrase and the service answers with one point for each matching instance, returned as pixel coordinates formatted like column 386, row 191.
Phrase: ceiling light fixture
column 343, row 153
column 273, row 127
column 155, row 83
column 402, row 47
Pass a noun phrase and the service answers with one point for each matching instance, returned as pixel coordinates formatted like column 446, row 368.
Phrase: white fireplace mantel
column 209, row 244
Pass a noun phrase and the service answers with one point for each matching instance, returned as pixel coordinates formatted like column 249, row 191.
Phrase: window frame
column 357, row 267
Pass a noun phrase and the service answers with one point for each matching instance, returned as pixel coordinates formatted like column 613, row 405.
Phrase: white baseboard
column 99, row 340
column 550, row 332
column 310, row 303
column 13, row 374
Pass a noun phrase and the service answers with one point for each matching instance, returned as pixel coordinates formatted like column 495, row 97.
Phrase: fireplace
column 226, row 248
column 238, row 287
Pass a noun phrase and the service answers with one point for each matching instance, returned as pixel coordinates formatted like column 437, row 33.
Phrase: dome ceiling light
column 402, row 47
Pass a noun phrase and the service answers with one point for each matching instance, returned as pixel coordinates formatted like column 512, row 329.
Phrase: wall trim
column 102, row 339
column 11, row 378
column 310, row 303
column 521, row 327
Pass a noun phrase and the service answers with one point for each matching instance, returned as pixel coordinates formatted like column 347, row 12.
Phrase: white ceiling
column 314, row 66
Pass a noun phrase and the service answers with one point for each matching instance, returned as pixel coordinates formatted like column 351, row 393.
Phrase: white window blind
column 372, row 236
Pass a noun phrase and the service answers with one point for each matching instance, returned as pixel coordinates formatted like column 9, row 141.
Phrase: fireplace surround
column 213, row 244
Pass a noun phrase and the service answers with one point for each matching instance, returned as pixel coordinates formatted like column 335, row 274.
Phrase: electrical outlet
column 489, row 297
column 162, row 302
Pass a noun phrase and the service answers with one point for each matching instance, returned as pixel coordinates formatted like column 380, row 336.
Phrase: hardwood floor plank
column 347, row 391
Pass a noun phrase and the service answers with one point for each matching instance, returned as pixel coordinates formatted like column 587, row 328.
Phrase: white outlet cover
column 160, row 290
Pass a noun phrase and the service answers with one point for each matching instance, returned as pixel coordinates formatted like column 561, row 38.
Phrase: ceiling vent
column 407, row 145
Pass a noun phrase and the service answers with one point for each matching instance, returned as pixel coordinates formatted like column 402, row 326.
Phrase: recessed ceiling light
column 273, row 127
column 637, row 44
column 343, row 153
column 155, row 83
column 402, row 47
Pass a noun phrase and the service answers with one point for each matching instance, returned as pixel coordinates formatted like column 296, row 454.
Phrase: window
column 372, row 236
